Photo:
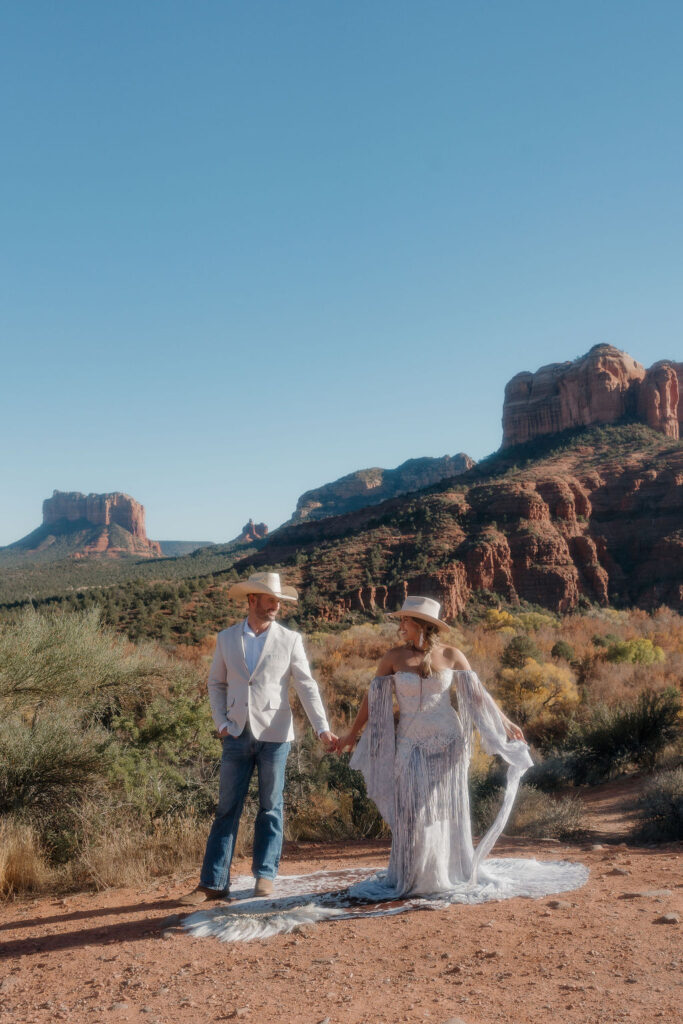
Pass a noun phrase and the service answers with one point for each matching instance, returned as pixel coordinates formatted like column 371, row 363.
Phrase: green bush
column 614, row 738
column 660, row 808
column 86, row 719
column 635, row 652
column 518, row 651
column 562, row 649
column 324, row 797
column 47, row 762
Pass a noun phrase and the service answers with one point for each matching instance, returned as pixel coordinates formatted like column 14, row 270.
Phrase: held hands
column 329, row 741
column 345, row 742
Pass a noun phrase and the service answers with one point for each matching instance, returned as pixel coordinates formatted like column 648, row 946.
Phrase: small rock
column 120, row 1005
column 325, row 1020
column 560, row 905
column 668, row 919
column 455, row 1020
column 597, row 846
column 618, row 871
column 653, row 894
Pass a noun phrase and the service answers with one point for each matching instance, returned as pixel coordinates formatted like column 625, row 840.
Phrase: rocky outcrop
column 96, row 509
column 371, row 486
column 252, row 531
column 660, row 400
column 602, row 387
column 576, row 527
column 78, row 525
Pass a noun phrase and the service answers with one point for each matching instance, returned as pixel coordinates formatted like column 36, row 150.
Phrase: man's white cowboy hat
column 264, row 583
column 420, row 608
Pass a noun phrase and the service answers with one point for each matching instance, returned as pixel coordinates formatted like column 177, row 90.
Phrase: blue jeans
column 241, row 754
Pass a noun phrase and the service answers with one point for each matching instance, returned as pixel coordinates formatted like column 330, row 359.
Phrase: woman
column 417, row 775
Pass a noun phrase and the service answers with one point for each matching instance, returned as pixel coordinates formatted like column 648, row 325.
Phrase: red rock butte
column 103, row 510
column 604, row 386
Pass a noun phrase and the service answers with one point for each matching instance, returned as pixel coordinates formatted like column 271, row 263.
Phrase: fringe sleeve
column 374, row 754
column 479, row 711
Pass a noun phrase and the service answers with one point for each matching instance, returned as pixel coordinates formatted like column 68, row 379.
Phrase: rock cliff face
column 370, row 486
column 97, row 509
column 602, row 387
column 91, row 524
column 604, row 526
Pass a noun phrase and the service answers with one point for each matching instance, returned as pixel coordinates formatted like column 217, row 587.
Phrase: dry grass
column 22, row 868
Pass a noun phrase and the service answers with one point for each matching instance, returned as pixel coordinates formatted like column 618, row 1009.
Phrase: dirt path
column 610, row 808
column 598, row 957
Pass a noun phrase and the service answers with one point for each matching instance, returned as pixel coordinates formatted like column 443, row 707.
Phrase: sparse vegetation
column 108, row 758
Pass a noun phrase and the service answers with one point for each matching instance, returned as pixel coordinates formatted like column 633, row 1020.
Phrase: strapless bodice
column 425, row 706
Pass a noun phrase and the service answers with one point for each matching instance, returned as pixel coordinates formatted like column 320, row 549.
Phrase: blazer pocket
column 230, row 703
column 273, row 704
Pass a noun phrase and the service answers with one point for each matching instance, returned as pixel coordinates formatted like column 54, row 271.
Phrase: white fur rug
column 300, row 900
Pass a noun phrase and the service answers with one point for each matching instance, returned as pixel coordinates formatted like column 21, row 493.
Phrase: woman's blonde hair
column 430, row 634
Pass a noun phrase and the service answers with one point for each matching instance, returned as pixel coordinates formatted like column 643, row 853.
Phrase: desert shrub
column 47, row 761
column 498, row 619
column 561, row 649
column 611, row 739
column 325, row 798
column 660, row 808
column 518, row 652
column 97, row 736
column 531, row 622
column 551, row 772
column 637, row 652
column 533, row 693
column 535, row 814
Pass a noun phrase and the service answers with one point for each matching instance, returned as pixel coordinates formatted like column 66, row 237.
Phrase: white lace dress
column 417, row 776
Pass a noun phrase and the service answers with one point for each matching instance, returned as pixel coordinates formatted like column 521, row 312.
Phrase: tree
column 518, row 651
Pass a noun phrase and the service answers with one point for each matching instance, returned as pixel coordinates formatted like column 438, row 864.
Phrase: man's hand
column 328, row 740
column 223, row 732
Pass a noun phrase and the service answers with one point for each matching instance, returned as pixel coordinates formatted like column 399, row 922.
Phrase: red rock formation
column 659, row 401
column 252, row 531
column 371, row 486
column 102, row 510
column 602, row 387
column 551, row 536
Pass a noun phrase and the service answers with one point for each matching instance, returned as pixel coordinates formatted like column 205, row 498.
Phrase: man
column 255, row 661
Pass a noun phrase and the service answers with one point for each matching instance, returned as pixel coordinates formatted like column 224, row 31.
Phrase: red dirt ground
column 599, row 957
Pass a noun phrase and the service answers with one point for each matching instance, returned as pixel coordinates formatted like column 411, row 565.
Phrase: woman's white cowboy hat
column 420, row 608
column 264, row 583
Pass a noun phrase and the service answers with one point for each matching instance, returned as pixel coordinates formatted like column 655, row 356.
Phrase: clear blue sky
column 249, row 247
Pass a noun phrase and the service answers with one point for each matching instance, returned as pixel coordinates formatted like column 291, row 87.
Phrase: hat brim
column 242, row 589
column 420, row 615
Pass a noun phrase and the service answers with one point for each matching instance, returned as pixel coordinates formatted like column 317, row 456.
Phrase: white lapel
column 268, row 643
column 239, row 660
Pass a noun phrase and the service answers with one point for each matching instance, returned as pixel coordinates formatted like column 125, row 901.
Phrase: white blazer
column 262, row 697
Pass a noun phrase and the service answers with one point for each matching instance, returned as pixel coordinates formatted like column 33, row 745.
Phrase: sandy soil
column 587, row 957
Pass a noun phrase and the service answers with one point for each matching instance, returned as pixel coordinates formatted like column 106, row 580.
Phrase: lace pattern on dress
column 427, row 782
